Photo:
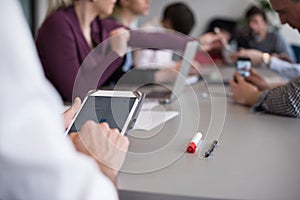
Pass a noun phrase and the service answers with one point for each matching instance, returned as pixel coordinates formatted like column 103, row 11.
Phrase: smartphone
column 117, row 108
column 243, row 66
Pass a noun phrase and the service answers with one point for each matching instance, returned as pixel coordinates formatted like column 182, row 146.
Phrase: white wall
column 42, row 6
column 292, row 35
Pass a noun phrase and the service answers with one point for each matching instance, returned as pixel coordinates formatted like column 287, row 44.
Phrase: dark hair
column 180, row 16
column 223, row 23
column 254, row 10
column 118, row 3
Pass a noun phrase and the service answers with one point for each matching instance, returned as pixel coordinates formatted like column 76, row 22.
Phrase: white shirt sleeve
column 36, row 160
column 285, row 69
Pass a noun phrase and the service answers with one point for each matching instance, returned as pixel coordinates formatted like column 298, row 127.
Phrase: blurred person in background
column 255, row 92
column 178, row 17
column 260, row 36
column 73, row 29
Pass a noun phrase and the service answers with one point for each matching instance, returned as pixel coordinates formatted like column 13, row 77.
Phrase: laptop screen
column 187, row 60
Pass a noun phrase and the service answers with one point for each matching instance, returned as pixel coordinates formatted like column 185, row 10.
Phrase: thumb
column 73, row 136
column 238, row 77
column 253, row 72
column 76, row 105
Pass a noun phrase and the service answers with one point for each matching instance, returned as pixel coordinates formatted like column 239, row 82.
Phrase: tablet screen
column 112, row 110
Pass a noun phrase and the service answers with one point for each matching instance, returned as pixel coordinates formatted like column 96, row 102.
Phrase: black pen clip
column 211, row 148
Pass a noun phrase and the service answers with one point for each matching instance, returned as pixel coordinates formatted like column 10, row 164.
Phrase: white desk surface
column 257, row 157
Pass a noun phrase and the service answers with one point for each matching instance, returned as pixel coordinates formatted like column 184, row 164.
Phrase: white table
column 257, row 157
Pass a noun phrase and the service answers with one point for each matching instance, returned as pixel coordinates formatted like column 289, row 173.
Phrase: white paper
column 148, row 119
column 191, row 80
column 149, row 105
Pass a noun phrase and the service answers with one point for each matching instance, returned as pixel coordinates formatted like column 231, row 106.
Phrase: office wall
column 41, row 6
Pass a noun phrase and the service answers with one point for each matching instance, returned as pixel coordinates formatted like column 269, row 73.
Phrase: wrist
column 266, row 59
column 253, row 99
column 109, row 172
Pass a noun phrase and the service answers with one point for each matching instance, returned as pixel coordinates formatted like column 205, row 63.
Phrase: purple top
column 62, row 49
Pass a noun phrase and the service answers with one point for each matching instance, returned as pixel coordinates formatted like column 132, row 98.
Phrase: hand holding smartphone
column 243, row 66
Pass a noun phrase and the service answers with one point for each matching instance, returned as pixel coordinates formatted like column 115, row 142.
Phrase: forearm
column 283, row 100
column 110, row 173
column 285, row 69
column 158, row 40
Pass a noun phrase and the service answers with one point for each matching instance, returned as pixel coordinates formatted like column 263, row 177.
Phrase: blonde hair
column 54, row 5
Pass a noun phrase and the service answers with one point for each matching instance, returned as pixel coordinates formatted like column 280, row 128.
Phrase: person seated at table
column 178, row 17
column 263, row 97
column 162, row 70
column 127, row 12
column 253, row 91
column 73, row 29
column 261, row 37
column 37, row 160
column 220, row 55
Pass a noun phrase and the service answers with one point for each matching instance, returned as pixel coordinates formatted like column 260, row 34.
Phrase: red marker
column 193, row 144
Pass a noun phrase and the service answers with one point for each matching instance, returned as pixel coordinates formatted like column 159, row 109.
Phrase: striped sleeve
column 284, row 100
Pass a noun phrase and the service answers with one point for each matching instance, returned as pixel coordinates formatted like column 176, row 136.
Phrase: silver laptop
column 167, row 96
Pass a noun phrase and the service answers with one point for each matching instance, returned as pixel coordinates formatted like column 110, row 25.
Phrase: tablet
column 117, row 108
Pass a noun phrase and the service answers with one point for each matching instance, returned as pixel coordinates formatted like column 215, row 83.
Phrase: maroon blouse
column 63, row 49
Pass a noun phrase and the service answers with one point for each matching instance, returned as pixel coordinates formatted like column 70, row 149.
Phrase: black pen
column 211, row 148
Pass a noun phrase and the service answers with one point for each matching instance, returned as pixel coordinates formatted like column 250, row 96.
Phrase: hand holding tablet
column 117, row 108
